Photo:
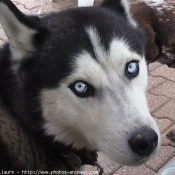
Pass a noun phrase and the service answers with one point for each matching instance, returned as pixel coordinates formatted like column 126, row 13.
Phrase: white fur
column 20, row 36
column 106, row 121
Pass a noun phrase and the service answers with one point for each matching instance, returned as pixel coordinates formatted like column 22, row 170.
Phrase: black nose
column 143, row 142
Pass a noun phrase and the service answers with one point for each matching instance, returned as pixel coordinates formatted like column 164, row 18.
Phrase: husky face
column 85, row 78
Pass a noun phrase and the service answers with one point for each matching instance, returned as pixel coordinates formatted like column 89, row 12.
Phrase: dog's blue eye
column 132, row 69
column 82, row 89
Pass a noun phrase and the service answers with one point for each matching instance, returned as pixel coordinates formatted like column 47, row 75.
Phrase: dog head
column 85, row 77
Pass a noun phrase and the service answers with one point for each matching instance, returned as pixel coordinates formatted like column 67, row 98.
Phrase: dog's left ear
column 22, row 30
column 120, row 6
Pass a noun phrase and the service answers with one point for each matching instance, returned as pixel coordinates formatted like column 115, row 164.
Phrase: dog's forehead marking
column 107, row 64
column 118, row 53
column 97, row 46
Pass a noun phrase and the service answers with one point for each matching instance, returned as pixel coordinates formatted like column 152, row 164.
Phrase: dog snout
column 143, row 142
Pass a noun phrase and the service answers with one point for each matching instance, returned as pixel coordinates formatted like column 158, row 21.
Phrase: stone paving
column 161, row 101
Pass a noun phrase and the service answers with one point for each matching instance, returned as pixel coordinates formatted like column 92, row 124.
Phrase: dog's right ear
column 22, row 30
column 120, row 6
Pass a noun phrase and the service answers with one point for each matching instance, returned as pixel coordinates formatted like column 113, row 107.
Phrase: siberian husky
column 75, row 78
